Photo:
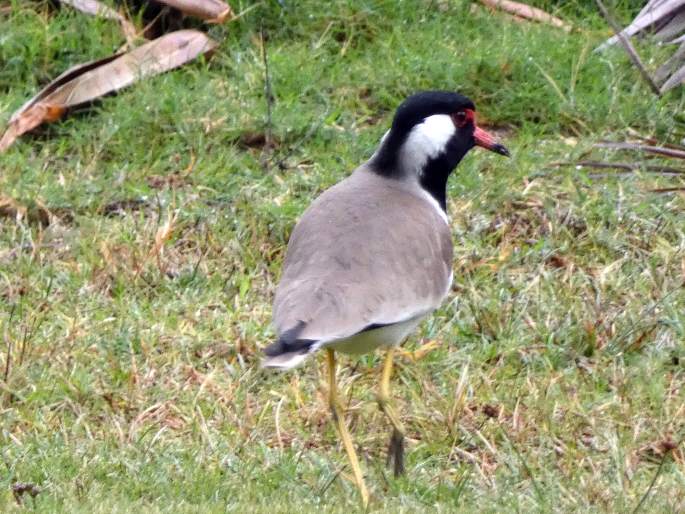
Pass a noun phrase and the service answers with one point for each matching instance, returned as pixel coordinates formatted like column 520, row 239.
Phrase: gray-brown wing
column 369, row 251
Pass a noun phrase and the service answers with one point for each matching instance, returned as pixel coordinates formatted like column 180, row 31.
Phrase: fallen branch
column 654, row 142
column 628, row 48
column 212, row 11
column 675, row 80
column 527, row 12
column 664, row 190
column 627, row 166
column 657, row 150
column 653, row 13
column 96, row 8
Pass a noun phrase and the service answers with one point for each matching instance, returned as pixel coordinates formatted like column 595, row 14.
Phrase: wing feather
column 369, row 251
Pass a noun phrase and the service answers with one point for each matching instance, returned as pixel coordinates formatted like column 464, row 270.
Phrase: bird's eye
column 460, row 118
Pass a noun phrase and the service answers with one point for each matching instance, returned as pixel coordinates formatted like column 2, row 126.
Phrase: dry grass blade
column 161, row 237
column 526, row 11
column 95, row 8
column 89, row 81
column 213, row 11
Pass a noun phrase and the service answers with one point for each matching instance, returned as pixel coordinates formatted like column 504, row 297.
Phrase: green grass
column 133, row 381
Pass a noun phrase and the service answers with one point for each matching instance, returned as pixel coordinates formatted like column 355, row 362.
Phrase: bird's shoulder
column 365, row 206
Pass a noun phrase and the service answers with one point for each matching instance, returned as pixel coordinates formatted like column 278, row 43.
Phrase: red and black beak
column 485, row 139
column 480, row 136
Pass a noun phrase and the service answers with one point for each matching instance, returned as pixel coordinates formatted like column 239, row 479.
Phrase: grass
column 132, row 323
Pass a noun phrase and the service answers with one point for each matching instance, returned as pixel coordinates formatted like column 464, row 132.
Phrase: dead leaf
column 86, row 82
column 253, row 139
column 657, row 450
column 19, row 489
column 491, row 411
column 526, row 11
column 557, row 261
column 122, row 207
column 10, row 208
column 95, row 8
column 212, row 11
column 172, row 181
column 257, row 139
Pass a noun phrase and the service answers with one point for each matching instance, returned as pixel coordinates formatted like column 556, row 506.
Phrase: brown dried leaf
column 526, row 11
column 557, row 261
column 212, row 11
column 172, row 181
column 19, row 489
column 86, row 82
column 657, row 450
column 491, row 411
column 95, row 8
column 37, row 213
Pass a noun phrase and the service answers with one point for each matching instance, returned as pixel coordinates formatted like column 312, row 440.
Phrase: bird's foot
column 421, row 352
column 396, row 452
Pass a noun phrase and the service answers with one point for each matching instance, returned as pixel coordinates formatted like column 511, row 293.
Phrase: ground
column 135, row 289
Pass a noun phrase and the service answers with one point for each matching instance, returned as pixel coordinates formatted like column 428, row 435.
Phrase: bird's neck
column 426, row 155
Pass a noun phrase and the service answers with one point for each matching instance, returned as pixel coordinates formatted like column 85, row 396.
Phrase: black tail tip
column 288, row 342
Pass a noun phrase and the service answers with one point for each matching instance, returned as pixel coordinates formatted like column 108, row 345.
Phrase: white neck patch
column 426, row 141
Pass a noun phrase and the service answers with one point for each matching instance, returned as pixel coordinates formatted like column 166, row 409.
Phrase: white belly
column 368, row 341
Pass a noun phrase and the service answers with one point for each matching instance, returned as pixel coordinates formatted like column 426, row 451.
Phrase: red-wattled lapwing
column 372, row 256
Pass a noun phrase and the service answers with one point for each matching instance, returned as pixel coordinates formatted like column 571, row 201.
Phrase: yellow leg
column 336, row 409
column 396, row 446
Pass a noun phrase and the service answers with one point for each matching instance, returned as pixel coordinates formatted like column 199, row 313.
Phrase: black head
column 420, row 106
column 430, row 134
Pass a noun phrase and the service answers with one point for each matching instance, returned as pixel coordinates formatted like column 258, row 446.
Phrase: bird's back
column 369, row 251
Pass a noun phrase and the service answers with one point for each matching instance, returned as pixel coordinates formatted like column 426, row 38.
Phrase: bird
column 371, row 257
